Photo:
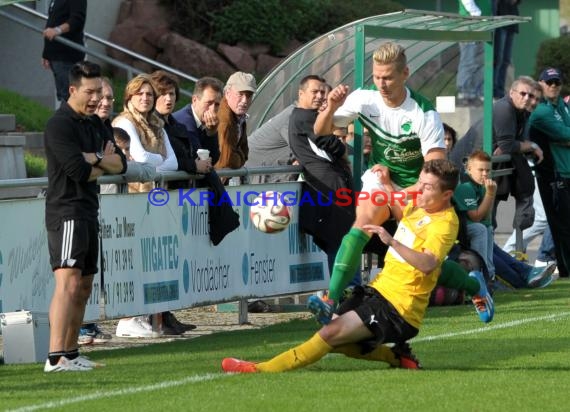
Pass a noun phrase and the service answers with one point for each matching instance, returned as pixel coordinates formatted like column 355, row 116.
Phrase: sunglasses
column 554, row 82
column 525, row 94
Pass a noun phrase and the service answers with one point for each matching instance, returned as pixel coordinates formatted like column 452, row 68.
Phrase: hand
column 383, row 174
column 382, row 233
column 210, row 119
column 49, row 33
column 109, row 148
column 497, row 151
column 337, row 96
column 204, row 166
column 45, row 64
column 539, row 154
column 490, row 186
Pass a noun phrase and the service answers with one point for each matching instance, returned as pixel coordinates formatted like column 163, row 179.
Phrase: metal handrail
column 128, row 68
column 160, row 176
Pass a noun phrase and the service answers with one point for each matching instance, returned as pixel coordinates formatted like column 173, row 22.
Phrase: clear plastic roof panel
column 430, row 40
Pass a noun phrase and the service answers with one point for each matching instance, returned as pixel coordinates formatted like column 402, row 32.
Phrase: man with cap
column 232, row 115
column 550, row 128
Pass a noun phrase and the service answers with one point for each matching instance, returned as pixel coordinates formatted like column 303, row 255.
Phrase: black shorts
column 379, row 316
column 75, row 244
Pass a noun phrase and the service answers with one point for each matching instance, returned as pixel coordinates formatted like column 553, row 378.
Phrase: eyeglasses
column 525, row 94
column 553, row 82
column 108, row 98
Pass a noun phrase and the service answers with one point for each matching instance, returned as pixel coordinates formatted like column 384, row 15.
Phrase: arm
column 138, row 153
column 170, row 163
column 425, row 261
column 75, row 22
column 324, row 123
column 484, row 210
column 544, row 119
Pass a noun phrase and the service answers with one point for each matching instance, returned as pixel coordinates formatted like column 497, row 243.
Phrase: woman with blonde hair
column 149, row 144
column 149, row 141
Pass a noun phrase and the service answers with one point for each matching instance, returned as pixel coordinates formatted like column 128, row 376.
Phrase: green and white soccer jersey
column 401, row 136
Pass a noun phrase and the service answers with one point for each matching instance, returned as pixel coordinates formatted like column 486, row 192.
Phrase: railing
column 131, row 71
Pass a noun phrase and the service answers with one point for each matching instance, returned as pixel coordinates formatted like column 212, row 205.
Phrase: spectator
column 325, row 170
column 148, row 144
column 232, row 132
column 269, row 146
column 449, row 138
column 550, row 128
column 510, row 115
column 519, row 274
column 475, row 199
column 78, row 151
column 503, row 45
column 66, row 18
column 470, row 70
column 200, row 117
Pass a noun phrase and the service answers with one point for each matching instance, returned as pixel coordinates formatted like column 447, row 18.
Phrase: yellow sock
column 302, row 355
column 382, row 353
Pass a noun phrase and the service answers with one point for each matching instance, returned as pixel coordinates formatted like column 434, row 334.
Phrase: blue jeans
column 470, row 70
column 546, row 250
column 513, row 271
column 60, row 72
column 503, row 47
column 481, row 241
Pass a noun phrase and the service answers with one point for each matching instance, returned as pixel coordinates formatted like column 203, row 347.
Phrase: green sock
column 347, row 261
column 454, row 276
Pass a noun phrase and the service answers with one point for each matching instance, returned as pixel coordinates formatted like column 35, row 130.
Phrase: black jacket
column 72, row 12
column 70, row 194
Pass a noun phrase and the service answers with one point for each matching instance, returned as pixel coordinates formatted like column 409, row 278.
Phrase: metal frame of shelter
column 344, row 55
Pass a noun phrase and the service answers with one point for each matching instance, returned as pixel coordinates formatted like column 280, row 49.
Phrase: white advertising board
column 157, row 258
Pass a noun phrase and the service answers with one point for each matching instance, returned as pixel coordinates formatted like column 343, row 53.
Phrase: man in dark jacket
column 66, row 18
column 79, row 149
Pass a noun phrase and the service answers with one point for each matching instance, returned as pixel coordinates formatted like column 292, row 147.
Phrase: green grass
column 30, row 115
column 519, row 362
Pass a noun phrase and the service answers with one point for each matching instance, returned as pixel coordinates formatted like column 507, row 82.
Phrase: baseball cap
column 550, row 73
column 242, row 82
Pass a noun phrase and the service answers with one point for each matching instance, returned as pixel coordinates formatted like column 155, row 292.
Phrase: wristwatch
column 57, row 30
column 99, row 157
column 534, row 146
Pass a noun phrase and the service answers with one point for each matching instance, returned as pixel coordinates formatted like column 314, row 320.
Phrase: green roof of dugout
column 343, row 56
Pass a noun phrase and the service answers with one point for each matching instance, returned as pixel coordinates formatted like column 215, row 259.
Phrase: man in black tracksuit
column 79, row 149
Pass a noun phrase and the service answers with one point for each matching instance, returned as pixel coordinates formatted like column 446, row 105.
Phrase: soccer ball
column 268, row 213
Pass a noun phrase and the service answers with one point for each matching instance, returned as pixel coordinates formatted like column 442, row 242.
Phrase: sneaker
column 323, row 309
column 85, row 362
column 95, row 333
column 84, row 339
column 538, row 275
column 407, row 359
column 233, row 365
column 137, row 327
column 482, row 301
column 65, row 365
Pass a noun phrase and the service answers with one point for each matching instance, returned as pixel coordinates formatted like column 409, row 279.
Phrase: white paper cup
column 203, row 154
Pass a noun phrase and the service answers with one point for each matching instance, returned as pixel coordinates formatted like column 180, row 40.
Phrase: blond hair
column 134, row 86
column 391, row 53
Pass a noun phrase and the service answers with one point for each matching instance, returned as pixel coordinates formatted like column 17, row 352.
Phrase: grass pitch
column 519, row 362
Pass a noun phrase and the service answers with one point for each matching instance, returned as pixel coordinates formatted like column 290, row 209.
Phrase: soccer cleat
column 233, row 365
column 539, row 276
column 65, row 365
column 482, row 301
column 407, row 359
column 321, row 308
